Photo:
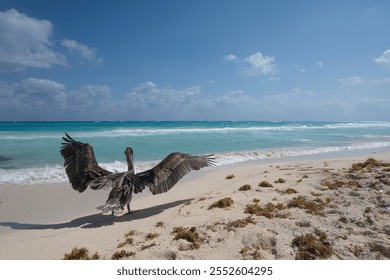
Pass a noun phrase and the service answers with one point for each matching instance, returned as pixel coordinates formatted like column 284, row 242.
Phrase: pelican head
column 129, row 159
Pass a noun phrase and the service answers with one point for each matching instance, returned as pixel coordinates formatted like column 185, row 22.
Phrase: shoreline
column 46, row 221
column 55, row 174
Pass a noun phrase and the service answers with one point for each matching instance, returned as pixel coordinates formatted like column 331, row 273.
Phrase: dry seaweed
column 128, row 239
column 265, row 184
column 222, row 203
column 151, row 235
column 311, row 247
column 240, row 223
column 287, row 191
column 250, row 253
column 280, row 181
column 333, row 185
column 160, row 224
column 228, row 177
column 356, row 167
column 270, row 210
column 244, row 188
column 81, row 254
column 188, row 234
column 122, row 254
column 314, row 207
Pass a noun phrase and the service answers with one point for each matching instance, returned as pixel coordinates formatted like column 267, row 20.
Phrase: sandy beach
column 335, row 208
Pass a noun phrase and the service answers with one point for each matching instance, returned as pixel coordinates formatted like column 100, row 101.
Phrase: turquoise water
column 29, row 151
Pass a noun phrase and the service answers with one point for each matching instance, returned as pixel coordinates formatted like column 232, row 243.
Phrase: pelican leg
column 128, row 208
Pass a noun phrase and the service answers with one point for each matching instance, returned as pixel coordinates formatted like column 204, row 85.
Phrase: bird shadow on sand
column 98, row 220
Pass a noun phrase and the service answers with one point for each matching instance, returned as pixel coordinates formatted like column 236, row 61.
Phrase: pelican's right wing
column 80, row 163
column 170, row 170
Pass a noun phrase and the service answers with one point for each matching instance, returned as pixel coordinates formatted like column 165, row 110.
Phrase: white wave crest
column 56, row 174
column 141, row 132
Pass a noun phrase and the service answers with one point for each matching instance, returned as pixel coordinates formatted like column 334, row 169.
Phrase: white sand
column 47, row 221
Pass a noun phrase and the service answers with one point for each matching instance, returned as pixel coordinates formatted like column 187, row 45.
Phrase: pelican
column 83, row 171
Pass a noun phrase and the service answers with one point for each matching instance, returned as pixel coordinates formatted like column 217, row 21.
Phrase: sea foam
column 56, row 173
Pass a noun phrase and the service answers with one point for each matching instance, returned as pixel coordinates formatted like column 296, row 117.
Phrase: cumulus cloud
column 33, row 94
column 41, row 99
column 36, row 99
column 26, row 42
column 148, row 96
column 260, row 64
column 256, row 64
column 384, row 59
column 95, row 98
column 351, row 81
column 81, row 49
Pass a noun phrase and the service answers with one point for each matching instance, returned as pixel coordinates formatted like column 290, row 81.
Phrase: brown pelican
column 83, row 171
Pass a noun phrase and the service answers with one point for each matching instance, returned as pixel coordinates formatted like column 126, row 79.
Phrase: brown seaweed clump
column 265, row 184
column 369, row 162
column 222, row 203
column 152, row 235
column 122, row 254
column 159, row 224
column 314, row 207
column 311, row 247
column 244, row 188
column 188, row 234
column 81, row 254
column 270, row 210
column 340, row 184
column 287, row 191
column 280, row 181
column 240, row 223
column 128, row 239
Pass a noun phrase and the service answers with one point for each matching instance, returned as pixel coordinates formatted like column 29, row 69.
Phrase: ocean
column 29, row 151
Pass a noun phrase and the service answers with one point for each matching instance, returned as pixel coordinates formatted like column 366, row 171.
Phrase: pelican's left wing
column 80, row 163
column 170, row 170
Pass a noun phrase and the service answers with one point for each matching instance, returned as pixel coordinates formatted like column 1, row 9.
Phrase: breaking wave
column 56, row 173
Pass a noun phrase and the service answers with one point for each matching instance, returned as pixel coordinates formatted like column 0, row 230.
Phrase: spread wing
column 170, row 170
column 80, row 163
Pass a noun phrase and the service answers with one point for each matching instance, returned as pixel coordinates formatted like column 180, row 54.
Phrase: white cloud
column 384, row 59
column 95, row 98
column 260, row 64
column 320, row 63
column 230, row 57
column 149, row 98
column 34, row 94
column 351, row 81
column 26, row 42
column 256, row 64
column 36, row 99
column 83, row 50
column 40, row 99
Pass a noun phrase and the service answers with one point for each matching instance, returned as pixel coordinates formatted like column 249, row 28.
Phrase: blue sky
column 194, row 60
